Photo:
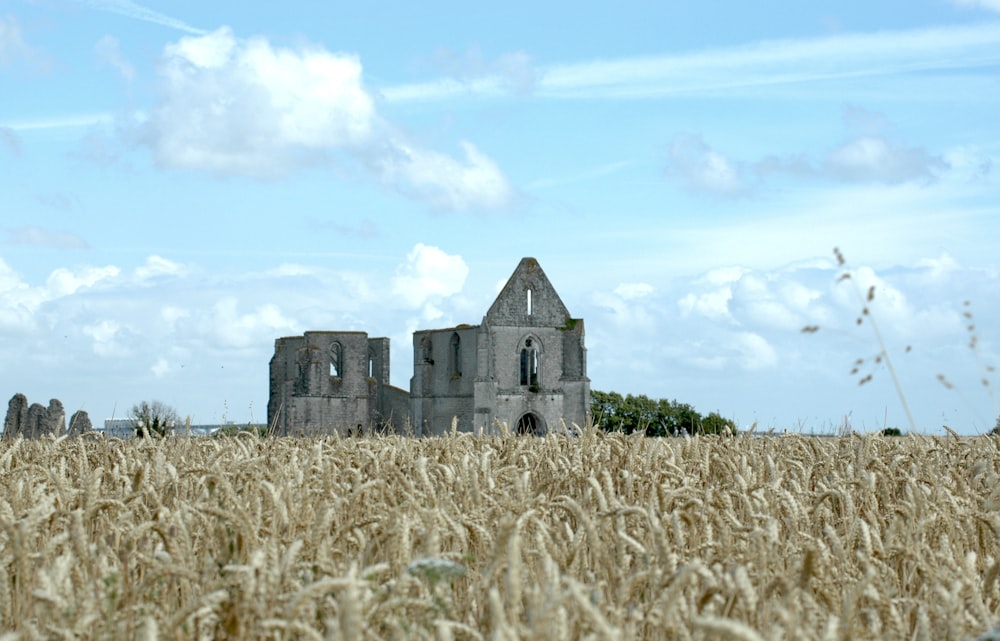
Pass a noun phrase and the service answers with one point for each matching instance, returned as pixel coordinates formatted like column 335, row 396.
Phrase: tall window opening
column 529, row 302
column 529, row 364
column 336, row 359
column 371, row 364
column 455, row 355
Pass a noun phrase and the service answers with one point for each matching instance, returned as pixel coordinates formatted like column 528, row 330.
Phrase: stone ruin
column 36, row 420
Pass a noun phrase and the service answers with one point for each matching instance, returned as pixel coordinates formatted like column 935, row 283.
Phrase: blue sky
column 184, row 182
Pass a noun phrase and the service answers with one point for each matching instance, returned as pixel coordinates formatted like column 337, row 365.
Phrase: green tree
column 996, row 428
column 714, row 423
column 153, row 418
column 613, row 412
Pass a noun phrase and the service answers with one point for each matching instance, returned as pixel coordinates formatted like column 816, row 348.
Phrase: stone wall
column 327, row 382
column 36, row 420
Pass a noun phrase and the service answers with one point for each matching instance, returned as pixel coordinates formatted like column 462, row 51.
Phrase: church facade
column 524, row 366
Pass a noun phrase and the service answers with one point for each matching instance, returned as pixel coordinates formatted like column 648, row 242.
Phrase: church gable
column 528, row 300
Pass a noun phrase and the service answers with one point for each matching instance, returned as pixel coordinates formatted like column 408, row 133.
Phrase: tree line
column 630, row 414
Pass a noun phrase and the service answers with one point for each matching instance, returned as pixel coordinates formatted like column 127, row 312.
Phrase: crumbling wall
column 36, row 420
column 79, row 423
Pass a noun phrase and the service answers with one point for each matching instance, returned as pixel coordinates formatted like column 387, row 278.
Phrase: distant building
column 524, row 366
column 117, row 428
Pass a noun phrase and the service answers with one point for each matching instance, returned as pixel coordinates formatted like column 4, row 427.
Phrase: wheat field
column 595, row 537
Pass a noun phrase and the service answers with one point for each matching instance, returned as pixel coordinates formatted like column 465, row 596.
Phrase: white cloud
column 16, row 307
column 105, row 335
column 713, row 304
column 248, row 108
column 700, row 168
column 876, row 158
column 172, row 363
column 765, row 64
column 938, row 270
column 428, row 274
column 630, row 307
column 755, row 353
column 109, row 52
column 158, row 266
column 872, row 156
column 63, row 282
column 288, row 270
column 230, row 328
column 445, row 182
column 160, row 368
column 633, row 291
column 244, row 107
column 135, row 11
column 724, row 275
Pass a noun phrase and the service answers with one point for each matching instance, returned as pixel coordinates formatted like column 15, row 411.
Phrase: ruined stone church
column 524, row 366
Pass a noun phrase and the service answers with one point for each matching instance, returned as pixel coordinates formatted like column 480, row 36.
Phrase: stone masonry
column 524, row 366
column 36, row 420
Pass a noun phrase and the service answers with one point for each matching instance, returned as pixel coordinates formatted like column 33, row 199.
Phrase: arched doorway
column 531, row 424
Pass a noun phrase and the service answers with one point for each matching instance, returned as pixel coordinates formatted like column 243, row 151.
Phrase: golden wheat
column 596, row 537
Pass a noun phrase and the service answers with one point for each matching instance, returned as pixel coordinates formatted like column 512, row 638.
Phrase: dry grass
column 597, row 537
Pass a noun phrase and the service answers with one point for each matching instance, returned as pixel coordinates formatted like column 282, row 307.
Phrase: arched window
column 529, row 301
column 529, row 364
column 455, row 355
column 336, row 359
column 427, row 350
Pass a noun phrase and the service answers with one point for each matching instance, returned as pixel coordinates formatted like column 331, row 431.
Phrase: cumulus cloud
column 160, row 368
column 41, row 237
column 938, row 270
column 428, row 274
column 158, row 266
column 244, row 107
column 445, row 182
column 878, row 159
column 230, row 328
column 21, row 301
column 871, row 154
column 109, row 52
column 712, row 304
column 64, row 282
column 105, row 335
column 634, row 291
column 695, row 165
column 776, row 301
column 248, row 108
column 755, row 352
column 16, row 300
column 172, row 314
column 630, row 307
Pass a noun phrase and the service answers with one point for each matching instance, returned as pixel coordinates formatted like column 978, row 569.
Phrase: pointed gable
column 528, row 299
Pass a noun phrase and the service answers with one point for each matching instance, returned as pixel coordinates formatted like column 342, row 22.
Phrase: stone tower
column 525, row 366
